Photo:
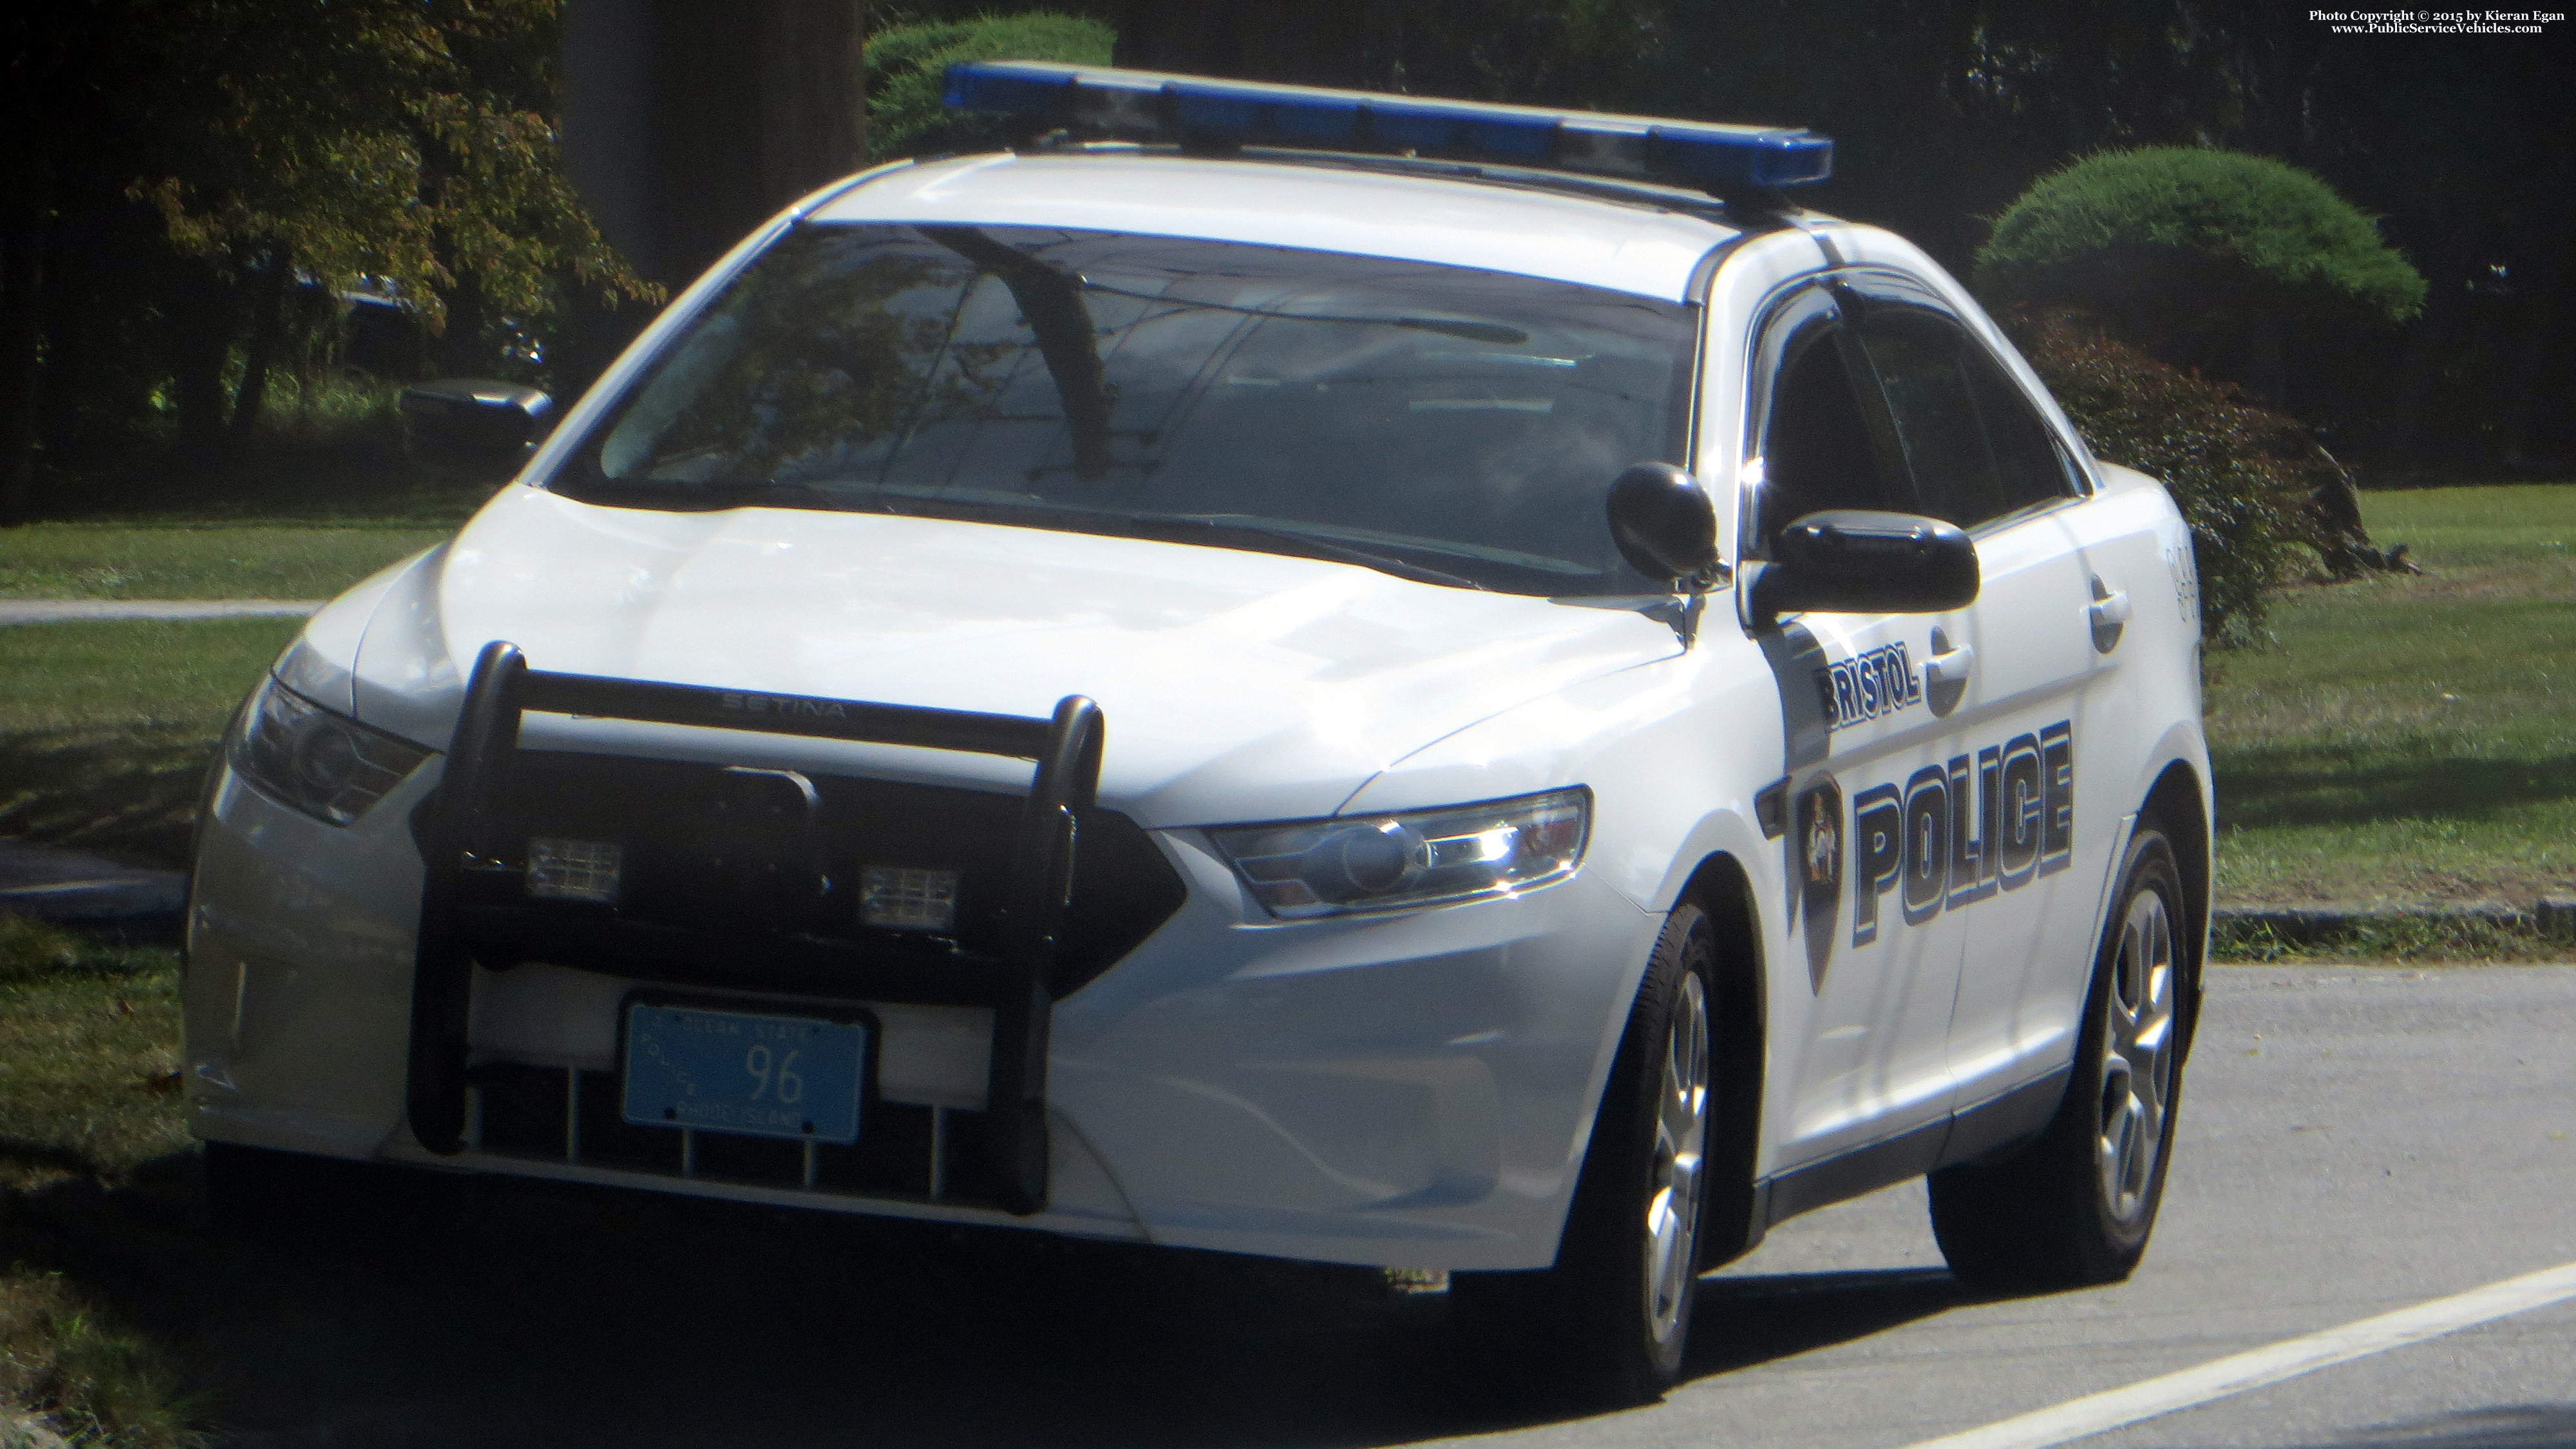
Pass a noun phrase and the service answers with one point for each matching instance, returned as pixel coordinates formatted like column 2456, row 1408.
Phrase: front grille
column 570, row 1115
column 707, row 849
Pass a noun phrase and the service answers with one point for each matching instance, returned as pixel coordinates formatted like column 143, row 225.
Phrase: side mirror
column 1849, row 561
column 474, row 425
column 1664, row 524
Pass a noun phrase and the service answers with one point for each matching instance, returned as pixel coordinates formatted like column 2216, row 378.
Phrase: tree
column 2202, row 258
column 2240, row 473
column 247, row 149
column 409, row 143
column 687, row 124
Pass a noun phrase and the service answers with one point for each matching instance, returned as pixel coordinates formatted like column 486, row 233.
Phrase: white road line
column 2117, row 1408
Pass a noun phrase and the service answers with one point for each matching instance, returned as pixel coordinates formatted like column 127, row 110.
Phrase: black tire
column 1607, row 1324
column 2073, row 1208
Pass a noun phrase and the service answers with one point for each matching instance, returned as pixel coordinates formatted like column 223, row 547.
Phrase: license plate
column 732, row 1071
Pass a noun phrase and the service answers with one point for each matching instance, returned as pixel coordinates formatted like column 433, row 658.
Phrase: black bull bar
column 1013, row 982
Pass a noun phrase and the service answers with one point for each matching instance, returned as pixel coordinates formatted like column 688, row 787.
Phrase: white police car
column 1377, row 681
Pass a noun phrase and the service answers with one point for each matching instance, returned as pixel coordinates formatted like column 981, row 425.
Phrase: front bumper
column 1406, row 1089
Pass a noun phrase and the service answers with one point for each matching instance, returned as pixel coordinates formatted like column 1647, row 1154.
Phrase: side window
column 1817, row 447
column 1918, row 362
column 1975, row 448
column 2027, row 456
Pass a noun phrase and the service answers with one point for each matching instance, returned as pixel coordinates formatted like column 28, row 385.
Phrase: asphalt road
column 2354, row 1141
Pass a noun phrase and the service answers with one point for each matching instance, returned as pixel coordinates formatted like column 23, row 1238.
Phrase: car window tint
column 1816, row 449
column 1920, row 371
column 1467, row 421
column 2028, row 461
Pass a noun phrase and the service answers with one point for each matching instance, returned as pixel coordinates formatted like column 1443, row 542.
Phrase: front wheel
column 2074, row 1207
column 1608, row 1322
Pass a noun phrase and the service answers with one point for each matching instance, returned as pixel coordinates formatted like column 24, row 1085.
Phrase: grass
column 106, row 728
column 2412, row 739
column 328, row 448
column 88, row 1098
column 205, row 561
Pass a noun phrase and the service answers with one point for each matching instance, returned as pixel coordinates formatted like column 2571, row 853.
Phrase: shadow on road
column 374, row 1313
column 1745, row 1321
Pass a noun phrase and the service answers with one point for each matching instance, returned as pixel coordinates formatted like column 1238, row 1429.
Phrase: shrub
column 2241, row 473
column 908, row 68
column 2177, row 246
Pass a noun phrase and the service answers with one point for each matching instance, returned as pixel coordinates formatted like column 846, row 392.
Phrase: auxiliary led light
column 1145, row 105
column 902, row 898
column 575, row 870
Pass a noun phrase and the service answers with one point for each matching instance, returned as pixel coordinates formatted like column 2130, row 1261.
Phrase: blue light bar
column 1142, row 105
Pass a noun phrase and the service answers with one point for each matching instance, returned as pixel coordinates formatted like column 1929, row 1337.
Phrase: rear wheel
column 2075, row 1206
column 1609, row 1321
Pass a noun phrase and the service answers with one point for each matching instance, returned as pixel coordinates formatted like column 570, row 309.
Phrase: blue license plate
column 733, row 1071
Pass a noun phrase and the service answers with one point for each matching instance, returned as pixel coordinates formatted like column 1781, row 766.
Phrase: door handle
column 2108, row 614
column 1950, row 666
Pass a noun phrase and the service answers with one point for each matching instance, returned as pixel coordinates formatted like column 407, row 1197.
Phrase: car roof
column 1626, row 239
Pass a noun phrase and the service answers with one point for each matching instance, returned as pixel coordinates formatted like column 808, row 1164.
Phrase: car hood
column 1235, row 685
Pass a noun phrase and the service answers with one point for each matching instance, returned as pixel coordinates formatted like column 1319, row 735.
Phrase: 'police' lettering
column 1878, row 848
column 1963, row 830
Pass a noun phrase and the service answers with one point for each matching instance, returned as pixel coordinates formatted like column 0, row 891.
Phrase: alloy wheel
column 1681, row 1140
column 2137, row 1056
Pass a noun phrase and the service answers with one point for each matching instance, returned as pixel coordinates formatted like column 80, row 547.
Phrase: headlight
column 328, row 766
column 1410, row 858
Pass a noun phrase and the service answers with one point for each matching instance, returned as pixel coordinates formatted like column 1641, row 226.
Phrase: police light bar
column 1198, row 110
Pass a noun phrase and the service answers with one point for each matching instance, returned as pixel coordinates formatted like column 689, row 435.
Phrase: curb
column 2551, row 918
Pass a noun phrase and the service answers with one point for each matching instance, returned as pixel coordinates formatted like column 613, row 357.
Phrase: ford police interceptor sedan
column 1346, row 677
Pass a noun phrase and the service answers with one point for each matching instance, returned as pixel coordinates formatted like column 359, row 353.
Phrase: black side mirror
column 1664, row 524
column 1849, row 561
column 475, row 425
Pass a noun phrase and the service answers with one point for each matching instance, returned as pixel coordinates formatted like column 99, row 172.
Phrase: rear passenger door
column 2010, row 675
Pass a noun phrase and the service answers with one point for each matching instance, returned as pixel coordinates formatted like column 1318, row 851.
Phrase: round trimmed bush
column 908, row 71
column 2173, row 245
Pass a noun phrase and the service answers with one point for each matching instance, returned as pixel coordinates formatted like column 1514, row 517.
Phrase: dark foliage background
column 196, row 187
column 1944, row 111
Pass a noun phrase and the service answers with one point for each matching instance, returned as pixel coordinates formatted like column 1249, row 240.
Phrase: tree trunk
column 687, row 124
column 201, row 336
column 22, row 273
column 267, row 333
column 813, row 101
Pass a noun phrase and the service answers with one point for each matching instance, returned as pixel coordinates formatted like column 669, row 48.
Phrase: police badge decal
column 1820, row 872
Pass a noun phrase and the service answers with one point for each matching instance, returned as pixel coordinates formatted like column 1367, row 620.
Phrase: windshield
column 1442, row 423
